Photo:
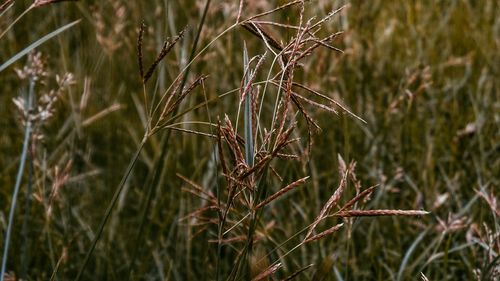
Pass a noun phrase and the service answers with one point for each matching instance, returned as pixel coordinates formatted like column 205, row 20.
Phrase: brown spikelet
column 199, row 211
column 197, row 187
column 167, row 47
column 40, row 3
column 246, row 89
column 281, row 192
column 139, row 49
column 317, row 44
column 310, row 121
column 240, row 9
column 377, row 213
column 319, row 105
column 172, row 103
column 312, row 91
column 220, row 150
column 361, row 195
column 235, row 239
column 324, row 233
column 269, row 271
column 258, row 31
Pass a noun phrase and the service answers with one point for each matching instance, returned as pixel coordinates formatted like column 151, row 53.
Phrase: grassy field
column 252, row 140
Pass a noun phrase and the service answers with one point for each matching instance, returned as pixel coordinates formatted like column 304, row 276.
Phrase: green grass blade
column 35, row 44
column 248, row 110
column 24, row 154
column 408, row 254
column 111, row 205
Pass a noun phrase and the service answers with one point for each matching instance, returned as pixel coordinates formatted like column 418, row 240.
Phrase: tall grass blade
column 408, row 254
column 35, row 44
column 110, row 209
column 248, row 110
column 22, row 162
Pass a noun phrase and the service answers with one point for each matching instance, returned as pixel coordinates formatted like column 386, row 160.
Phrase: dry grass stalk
column 284, row 6
column 6, row 4
column 317, row 93
column 139, row 49
column 190, row 131
column 199, row 211
column 235, row 239
column 59, row 180
column 197, row 187
column 377, row 213
column 296, row 273
column 423, row 277
column 281, row 192
column 491, row 199
column 261, row 33
column 269, row 271
column 358, row 197
column 319, row 105
column 240, row 9
column 324, row 233
column 174, row 101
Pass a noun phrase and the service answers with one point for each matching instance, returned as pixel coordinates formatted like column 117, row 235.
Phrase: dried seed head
column 139, row 49
column 167, row 47
column 377, row 213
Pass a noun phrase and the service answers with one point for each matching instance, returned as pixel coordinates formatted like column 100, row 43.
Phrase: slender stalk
column 24, row 153
column 159, row 164
column 111, row 205
column 16, row 20
column 25, row 229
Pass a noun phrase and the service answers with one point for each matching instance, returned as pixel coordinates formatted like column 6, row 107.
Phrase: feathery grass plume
column 281, row 192
column 139, row 49
column 40, row 3
column 167, row 47
column 376, row 213
column 324, row 233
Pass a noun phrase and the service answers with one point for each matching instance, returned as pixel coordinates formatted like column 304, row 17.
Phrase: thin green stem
column 111, row 205
column 16, row 20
